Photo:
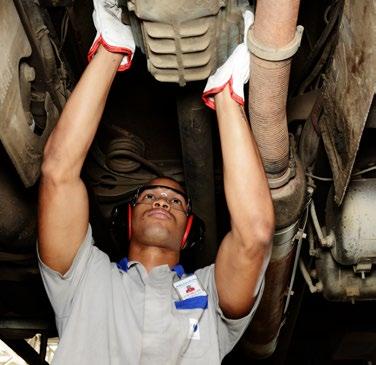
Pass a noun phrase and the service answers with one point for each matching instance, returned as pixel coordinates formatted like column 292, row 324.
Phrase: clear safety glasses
column 176, row 199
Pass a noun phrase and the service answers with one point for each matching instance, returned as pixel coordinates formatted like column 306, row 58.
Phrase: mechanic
column 146, row 310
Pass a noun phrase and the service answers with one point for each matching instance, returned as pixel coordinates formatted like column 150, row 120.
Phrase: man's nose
column 161, row 203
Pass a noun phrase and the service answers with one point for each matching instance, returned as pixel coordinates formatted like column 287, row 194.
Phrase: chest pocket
column 196, row 328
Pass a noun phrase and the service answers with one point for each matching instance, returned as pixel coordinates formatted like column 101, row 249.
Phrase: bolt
column 28, row 72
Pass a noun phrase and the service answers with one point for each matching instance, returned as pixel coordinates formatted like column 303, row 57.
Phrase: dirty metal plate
column 188, row 41
column 349, row 88
column 23, row 146
column 182, row 11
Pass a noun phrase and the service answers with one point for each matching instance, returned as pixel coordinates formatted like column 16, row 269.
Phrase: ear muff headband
column 187, row 231
column 129, row 221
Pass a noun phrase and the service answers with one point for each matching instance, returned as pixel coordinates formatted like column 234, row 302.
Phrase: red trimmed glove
column 235, row 71
column 111, row 32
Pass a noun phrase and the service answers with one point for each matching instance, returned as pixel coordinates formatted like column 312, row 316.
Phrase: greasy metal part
column 16, row 128
column 313, row 288
column 277, row 182
column 43, row 55
column 354, row 224
column 349, row 88
column 274, row 27
column 27, row 75
column 196, row 142
column 281, row 238
column 288, row 200
column 260, row 339
column 324, row 240
column 299, row 236
column 187, row 41
column 348, row 285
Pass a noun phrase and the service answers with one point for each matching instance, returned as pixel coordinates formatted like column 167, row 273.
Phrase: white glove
column 112, row 34
column 235, row 71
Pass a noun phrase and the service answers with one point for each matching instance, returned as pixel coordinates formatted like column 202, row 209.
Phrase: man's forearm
column 68, row 144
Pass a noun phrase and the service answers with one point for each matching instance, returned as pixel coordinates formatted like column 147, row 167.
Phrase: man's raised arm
column 245, row 251
column 63, row 202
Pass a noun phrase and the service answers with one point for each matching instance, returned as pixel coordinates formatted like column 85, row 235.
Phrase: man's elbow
column 258, row 235
column 51, row 172
column 54, row 168
column 263, row 233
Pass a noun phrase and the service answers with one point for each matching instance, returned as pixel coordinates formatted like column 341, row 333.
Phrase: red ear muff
column 129, row 221
column 187, row 231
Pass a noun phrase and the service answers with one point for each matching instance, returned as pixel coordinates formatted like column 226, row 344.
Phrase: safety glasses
column 176, row 199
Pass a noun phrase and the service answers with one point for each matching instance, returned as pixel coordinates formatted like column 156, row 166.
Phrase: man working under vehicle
column 147, row 310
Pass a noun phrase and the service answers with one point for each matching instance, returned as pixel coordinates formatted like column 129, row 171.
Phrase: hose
column 274, row 28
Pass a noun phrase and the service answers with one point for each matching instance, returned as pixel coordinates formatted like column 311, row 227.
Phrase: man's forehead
column 169, row 183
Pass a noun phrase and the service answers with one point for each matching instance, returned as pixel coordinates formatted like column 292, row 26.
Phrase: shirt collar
column 124, row 265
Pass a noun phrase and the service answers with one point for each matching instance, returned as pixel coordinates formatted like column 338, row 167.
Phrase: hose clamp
column 290, row 172
column 277, row 182
column 271, row 53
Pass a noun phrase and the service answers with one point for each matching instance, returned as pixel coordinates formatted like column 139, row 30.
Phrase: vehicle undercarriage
column 311, row 107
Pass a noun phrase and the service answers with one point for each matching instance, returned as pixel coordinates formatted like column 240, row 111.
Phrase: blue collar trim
column 179, row 270
column 123, row 265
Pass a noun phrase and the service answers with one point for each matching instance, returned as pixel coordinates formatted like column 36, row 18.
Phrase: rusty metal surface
column 187, row 41
column 348, row 91
column 348, row 286
column 260, row 339
column 288, row 200
column 354, row 224
column 16, row 125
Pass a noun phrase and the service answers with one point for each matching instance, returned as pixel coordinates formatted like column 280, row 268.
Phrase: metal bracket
column 362, row 268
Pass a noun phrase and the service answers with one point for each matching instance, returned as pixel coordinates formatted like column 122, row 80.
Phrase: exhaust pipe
column 272, row 41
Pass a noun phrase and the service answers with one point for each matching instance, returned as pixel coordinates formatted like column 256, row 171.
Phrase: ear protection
column 121, row 224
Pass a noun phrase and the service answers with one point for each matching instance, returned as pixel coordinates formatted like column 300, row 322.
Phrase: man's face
column 159, row 217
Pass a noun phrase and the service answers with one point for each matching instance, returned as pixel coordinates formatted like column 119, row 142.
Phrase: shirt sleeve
column 229, row 330
column 61, row 288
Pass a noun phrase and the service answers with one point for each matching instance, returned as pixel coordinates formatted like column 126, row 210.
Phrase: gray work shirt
column 105, row 315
